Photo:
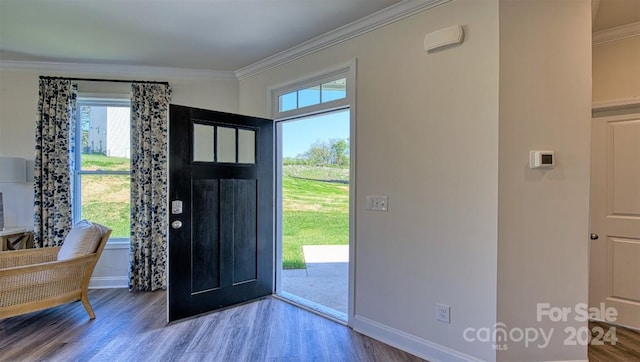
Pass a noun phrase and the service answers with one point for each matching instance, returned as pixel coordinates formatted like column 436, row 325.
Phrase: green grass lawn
column 315, row 204
column 105, row 198
column 316, row 210
column 95, row 162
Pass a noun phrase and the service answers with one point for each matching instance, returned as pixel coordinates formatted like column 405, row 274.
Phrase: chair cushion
column 82, row 240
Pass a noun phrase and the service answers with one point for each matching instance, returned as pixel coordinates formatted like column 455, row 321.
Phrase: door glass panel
column 309, row 96
column 288, row 101
column 203, row 147
column 246, row 146
column 226, row 144
column 336, row 89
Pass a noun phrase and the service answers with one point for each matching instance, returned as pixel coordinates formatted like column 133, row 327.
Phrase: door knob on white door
column 176, row 224
column 594, row 236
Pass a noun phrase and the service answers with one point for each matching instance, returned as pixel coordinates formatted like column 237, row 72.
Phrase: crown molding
column 369, row 23
column 595, row 4
column 116, row 70
column 615, row 104
column 617, row 33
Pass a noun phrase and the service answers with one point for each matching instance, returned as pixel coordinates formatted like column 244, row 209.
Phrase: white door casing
column 615, row 217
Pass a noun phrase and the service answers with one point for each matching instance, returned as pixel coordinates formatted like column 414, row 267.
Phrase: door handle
column 594, row 236
column 176, row 224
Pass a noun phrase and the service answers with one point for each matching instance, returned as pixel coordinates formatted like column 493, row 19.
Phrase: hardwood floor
column 132, row 327
column 626, row 349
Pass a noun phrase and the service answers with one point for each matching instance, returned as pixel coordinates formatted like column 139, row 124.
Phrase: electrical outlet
column 442, row 313
column 377, row 203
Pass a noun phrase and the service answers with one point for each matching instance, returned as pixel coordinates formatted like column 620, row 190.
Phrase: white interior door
column 615, row 216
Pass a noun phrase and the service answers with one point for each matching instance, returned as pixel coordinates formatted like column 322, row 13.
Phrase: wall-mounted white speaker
column 444, row 37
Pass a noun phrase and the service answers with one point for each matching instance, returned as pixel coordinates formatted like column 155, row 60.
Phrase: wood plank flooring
column 626, row 349
column 132, row 327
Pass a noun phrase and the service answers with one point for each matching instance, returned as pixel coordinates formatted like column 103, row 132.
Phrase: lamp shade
column 12, row 169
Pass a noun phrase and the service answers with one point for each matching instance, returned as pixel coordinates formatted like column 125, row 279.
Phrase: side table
column 11, row 231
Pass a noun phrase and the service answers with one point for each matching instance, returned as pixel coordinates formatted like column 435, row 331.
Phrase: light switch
column 377, row 203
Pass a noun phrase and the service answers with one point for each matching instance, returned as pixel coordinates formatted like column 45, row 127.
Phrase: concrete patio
column 324, row 282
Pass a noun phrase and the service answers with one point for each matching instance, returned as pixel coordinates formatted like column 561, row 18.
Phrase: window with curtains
column 102, row 164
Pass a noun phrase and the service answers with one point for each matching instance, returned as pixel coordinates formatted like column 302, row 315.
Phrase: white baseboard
column 109, row 282
column 407, row 342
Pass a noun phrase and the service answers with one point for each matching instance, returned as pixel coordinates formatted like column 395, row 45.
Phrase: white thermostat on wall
column 542, row 159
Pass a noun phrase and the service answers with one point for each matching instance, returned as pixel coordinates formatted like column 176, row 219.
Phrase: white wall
column 616, row 70
column 427, row 136
column 545, row 103
column 469, row 224
column 18, row 103
column 446, row 136
column 19, row 97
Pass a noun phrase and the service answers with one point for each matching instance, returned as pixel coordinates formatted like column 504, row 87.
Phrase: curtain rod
column 106, row 80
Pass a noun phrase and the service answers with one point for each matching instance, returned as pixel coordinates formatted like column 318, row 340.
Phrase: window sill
column 118, row 243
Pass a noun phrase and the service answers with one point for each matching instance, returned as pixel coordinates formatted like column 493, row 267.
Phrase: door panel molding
column 223, row 253
column 615, row 257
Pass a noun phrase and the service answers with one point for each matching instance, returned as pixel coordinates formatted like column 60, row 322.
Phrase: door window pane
column 226, row 144
column 246, row 146
column 203, row 144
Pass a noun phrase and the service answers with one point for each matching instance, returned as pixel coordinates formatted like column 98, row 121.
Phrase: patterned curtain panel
column 54, row 161
column 149, row 168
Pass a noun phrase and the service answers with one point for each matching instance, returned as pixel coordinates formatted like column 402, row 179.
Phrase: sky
column 298, row 135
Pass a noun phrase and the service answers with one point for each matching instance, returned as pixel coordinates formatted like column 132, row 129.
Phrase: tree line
column 332, row 153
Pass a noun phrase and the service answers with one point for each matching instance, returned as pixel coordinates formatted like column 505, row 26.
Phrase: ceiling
column 223, row 35
column 614, row 13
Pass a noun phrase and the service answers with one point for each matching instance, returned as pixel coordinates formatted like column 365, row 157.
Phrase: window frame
column 342, row 72
column 99, row 100
column 348, row 71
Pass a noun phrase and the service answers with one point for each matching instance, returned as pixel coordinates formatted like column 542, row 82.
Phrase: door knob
column 594, row 236
column 176, row 224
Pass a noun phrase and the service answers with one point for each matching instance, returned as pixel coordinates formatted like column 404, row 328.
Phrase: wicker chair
column 34, row 279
